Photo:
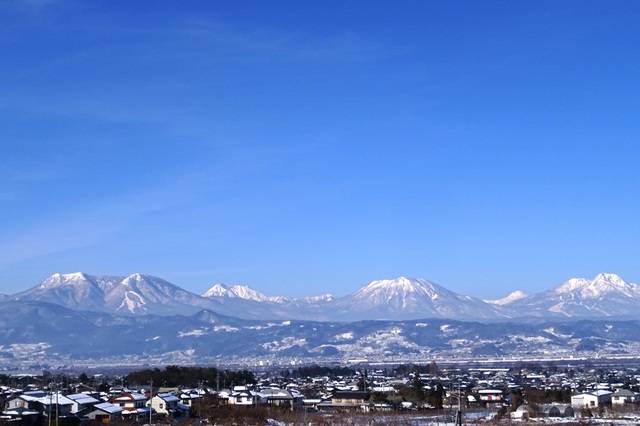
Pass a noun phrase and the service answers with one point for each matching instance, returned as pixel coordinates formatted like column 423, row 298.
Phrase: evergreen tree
column 436, row 395
column 417, row 388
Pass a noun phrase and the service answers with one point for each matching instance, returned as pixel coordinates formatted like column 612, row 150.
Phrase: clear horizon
column 487, row 147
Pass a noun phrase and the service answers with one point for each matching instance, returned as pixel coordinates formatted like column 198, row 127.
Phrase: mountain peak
column 404, row 283
column 397, row 289
column 416, row 298
column 66, row 289
column 596, row 288
column 512, row 297
column 73, row 275
column 219, row 290
column 605, row 295
column 236, row 291
column 609, row 279
column 136, row 277
column 65, row 280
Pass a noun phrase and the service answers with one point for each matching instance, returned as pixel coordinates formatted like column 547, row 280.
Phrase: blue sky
column 306, row 147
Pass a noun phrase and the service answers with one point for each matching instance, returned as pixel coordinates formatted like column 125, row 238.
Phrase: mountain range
column 607, row 295
column 73, row 319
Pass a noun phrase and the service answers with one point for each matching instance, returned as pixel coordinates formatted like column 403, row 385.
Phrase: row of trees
column 174, row 375
column 318, row 371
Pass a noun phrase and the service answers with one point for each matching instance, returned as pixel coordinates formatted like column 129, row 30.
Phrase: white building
column 624, row 396
column 168, row 405
column 596, row 398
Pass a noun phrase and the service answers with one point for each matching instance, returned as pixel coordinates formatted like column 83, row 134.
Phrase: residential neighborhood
column 424, row 392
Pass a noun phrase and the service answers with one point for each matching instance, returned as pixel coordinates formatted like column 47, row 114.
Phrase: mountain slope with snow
column 516, row 295
column 70, row 290
column 132, row 295
column 139, row 293
column 240, row 292
column 411, row 298
column 605, row 296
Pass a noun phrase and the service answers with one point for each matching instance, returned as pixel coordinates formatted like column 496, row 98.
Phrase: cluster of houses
column 33, row 406
column 473, row 389
column 603, row 396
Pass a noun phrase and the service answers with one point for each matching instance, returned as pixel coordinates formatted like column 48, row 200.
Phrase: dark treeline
column 333, row 372
column 318, row 371
column 174, row 375
column 405, row 369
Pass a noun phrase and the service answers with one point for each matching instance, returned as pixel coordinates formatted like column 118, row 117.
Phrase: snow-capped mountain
column 399, row 299
column 412, row 298
column 135, row 294
column 605, row 296
column 290, row 307
column 319, row 299
column 126, row 316
column 140, row 293
column 241, row 292
column 516, row 295
column 71, row 290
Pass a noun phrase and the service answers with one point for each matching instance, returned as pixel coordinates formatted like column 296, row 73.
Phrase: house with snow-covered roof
column 189, row 397
column 103, row 412
column 25, row 400
column 168, row 405
column 56, row 405
column 242, row 397
column 624, row 396
column 23, row 407
column 82, row 401
column 134, row 406
column 288, row 398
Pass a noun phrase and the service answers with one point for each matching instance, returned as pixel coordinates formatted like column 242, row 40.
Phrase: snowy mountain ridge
column 600, row 286
column 239, row 291
column 605, row 296
column 135, row 294
column 402, row 298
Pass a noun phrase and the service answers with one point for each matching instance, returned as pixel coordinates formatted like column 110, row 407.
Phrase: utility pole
column 50, row 402
column 459, row 414
column 57, row 408
column 150, row 400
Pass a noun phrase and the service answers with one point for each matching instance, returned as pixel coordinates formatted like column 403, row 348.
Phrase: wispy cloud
column 81, row 224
